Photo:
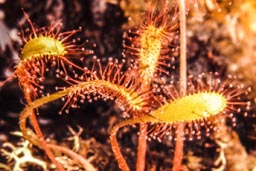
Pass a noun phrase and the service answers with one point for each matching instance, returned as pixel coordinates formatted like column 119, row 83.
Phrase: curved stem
column 113, row 89
column 114, row 144
column 33, row 120
column 38, row 140
column 102, row 86
column 115, row 147
column 29, row 110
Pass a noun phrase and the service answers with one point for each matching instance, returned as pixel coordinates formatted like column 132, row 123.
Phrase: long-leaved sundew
column 44, row 47
column 164, row 103
column 152, row 43
column 107, row 83
column 208, row 101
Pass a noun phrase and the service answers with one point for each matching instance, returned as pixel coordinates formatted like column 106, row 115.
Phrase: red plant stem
column 116, row 149
column 33, row 120
column 142, row 148
column 178, row 153
column 183, row 50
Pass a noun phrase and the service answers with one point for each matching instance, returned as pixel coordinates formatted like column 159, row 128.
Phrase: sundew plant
column 150, row 89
